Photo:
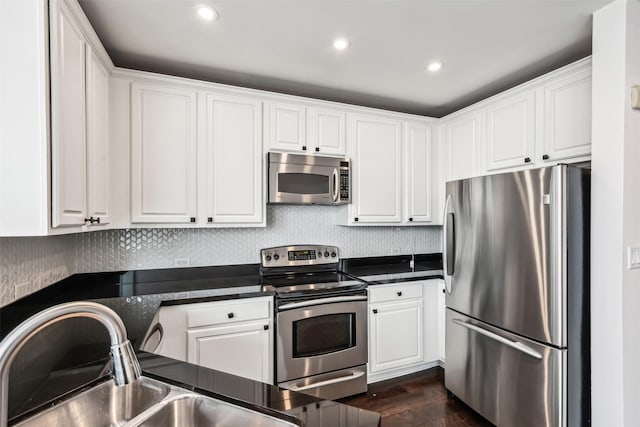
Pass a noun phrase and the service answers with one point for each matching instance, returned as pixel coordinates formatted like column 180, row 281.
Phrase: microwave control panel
column 344, row 184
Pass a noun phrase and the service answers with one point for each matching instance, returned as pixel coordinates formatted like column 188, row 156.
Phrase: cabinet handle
column 527, row 159
column 92, row 220
column 375, row 311
column 410, row 219
column 266, row 327
column 317, row 148
column 230, row 315
column 545, row 157
column 304, row 148
column 193, row 219
column 399, row 294
column 98, row 220
column 210, row 220
column 355, row 219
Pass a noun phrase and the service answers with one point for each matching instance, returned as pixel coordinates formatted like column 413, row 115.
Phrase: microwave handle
column 334, row 187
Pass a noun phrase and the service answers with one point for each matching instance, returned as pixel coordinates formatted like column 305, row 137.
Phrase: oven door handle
column 351, row 376
column 321, row 301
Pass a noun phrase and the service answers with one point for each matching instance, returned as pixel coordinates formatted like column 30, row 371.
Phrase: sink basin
column 196, row 410
column 103, row 405
column 146, row 402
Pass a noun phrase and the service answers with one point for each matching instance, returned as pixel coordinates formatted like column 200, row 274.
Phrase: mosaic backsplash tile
column 39, row 261
column 28, row 264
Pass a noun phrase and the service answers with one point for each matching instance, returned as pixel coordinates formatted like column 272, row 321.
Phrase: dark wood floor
column 418, row 399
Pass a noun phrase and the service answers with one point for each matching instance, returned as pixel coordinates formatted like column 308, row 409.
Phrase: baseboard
column 398, row 372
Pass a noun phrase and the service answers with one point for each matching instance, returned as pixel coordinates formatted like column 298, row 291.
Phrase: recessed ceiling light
column 434, row 66
column 207, row 13
column 341, row 44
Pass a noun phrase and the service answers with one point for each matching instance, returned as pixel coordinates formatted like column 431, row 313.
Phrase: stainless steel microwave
column 308, row 180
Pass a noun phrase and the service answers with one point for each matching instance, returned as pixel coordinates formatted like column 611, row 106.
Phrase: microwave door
column 302, row 184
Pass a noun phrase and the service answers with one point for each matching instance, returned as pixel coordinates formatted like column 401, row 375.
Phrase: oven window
column 303, row 183
column 318, row 335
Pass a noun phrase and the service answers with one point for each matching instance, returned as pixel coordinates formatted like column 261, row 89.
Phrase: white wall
column 36, row 262
column 615, row 290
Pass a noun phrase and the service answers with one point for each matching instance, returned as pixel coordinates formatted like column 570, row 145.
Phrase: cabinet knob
column 355, row 219
column 210, row 220
column 545, row 157
column 266, row 327
column 304, row 148
column 230, row 315
column 399, row 294
column 410, row 219
column 527, row 159
column 317, row 148
column 192, row 219
column 375, row 311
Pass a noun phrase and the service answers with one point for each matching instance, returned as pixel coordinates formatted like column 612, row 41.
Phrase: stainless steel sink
column 103, row 405
column 146, row 402
column 196, row 410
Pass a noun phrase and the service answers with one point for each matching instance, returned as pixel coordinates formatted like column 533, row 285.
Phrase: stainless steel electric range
column 321, row 321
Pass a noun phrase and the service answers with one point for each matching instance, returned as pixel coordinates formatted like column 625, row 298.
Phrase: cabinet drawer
column 397, row 292
column 228, row 312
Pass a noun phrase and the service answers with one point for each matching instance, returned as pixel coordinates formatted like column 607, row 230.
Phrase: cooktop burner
column 304, row 268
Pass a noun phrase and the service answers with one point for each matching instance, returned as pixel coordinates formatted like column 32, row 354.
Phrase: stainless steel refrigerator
column 516, row 260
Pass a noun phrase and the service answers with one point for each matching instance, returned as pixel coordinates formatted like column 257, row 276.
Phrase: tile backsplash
column 31, row 263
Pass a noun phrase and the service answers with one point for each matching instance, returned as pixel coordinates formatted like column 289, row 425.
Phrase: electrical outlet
column 634, row 257
column 22, row 289
column 182, row 262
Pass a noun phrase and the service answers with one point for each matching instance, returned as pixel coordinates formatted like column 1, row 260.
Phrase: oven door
column 303, row 184
column 321, row 335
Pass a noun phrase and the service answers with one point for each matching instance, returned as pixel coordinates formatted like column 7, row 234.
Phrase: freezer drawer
column 510, row 380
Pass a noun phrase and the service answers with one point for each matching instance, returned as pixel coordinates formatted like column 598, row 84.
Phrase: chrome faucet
column 125, row 366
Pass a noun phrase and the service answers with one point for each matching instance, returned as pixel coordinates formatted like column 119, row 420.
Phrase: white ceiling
column 286, row 45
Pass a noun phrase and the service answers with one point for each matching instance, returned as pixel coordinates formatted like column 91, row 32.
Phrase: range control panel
column 285, row 256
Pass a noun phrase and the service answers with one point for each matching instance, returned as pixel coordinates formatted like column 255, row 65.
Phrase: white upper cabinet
column 326, row 131
column 234, row 147
column 567, row 117
column 295, row 128
column 510, row 131
column 376, row 146
column 68, row 148
column 286, row 127
column 462, row 141
column 80, row 117
column 97, row 140
column 163, row 154
column 418, row 173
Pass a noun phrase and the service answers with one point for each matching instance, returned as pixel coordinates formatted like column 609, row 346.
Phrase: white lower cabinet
column 403, row 328
column 234, row 336
column 237, row 349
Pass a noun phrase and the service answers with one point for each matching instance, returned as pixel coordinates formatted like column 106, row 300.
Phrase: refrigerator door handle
column 449, row 252
column 513, row 344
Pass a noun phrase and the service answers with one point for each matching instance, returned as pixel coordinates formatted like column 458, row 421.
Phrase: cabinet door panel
column 397, row 335
column 234, row 142
column 377, row 182
column 326, row 131
column 69, row 160
column 286, row 127
column 163, row 157
column 567, row 117
column 97, row 138
column 418, row 173
column 462, row 139
column 243, row 350
column 510, row 132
